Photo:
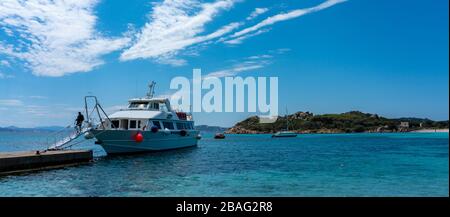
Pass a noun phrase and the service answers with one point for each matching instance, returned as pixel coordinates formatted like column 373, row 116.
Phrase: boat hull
column 123, row 142
column 284, row 134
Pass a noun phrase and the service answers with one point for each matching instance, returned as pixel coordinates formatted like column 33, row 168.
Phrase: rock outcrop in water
column 349, row 122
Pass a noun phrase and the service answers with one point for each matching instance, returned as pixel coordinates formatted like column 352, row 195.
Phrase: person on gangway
column 79, row 121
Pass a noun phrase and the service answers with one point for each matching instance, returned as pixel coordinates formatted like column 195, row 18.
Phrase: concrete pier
column 14, row 162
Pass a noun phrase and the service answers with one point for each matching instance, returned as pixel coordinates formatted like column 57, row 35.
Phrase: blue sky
column 385, row 57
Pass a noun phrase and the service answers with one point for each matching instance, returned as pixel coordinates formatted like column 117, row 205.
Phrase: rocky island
column 348, row 122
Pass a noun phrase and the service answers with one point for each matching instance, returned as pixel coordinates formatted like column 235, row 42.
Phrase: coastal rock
column 348, row 122
column 239, row 130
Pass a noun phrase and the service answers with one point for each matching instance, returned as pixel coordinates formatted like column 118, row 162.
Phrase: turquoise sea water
column 408, row 164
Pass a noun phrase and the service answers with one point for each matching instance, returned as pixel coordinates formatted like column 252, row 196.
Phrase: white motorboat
column 147, row 124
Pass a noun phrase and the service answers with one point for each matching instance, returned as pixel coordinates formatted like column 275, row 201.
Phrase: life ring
column 183, row 132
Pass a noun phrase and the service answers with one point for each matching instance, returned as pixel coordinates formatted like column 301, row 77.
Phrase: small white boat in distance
column 219, row 136
column 147, row 124
column 285, row 133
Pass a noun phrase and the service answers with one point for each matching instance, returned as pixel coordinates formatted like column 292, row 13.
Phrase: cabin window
column 154, row 106
column 124, row 124
column 168, row 125
column 138, row 105
column 190, row 126
column 180, row 126
column 115, row 124
column 132, row 124
column 139, row 124
column 157, row 124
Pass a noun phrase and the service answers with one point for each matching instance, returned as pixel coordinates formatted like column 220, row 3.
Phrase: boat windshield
column 163, row 107
column 138, row 105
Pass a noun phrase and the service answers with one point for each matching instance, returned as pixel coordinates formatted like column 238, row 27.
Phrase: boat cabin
column 145, row 113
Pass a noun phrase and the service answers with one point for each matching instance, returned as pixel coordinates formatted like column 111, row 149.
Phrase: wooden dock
column 14, row 162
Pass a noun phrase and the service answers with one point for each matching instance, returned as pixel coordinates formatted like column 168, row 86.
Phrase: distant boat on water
column 219, row 136
column 285, row 133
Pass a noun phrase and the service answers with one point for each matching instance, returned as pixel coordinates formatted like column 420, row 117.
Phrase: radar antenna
column 151, row 90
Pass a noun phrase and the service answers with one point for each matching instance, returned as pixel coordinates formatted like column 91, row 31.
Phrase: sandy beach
column 431, row 131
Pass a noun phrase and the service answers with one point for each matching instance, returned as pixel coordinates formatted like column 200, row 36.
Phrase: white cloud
column 257, row 57
column 10, row 102
column 253, row 30
column 257, row 12
column 241, row 39
column 55, row 38
column 58, row 37
column 170, row 60
column 4, row 63
column 8, row 31
column 175, row 25
column 241, row 67
column 280, row 51
column 248, row 63
column 5, row 76
column 37, row 97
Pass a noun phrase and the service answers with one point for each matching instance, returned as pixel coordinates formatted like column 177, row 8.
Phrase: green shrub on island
column 349, row 122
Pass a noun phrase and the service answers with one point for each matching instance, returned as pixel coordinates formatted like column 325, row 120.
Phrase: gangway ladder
column 65, row 141
column 59, row 144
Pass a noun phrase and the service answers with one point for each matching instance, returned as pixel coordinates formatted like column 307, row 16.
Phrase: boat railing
column 60, row 139
column 99, row 110
column 52, row 137
column 62, row 136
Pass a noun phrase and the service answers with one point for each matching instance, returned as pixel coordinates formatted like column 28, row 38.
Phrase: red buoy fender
column 138, row 137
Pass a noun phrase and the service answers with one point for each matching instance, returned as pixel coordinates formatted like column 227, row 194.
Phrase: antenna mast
column 151, row 90
column 287, row 120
